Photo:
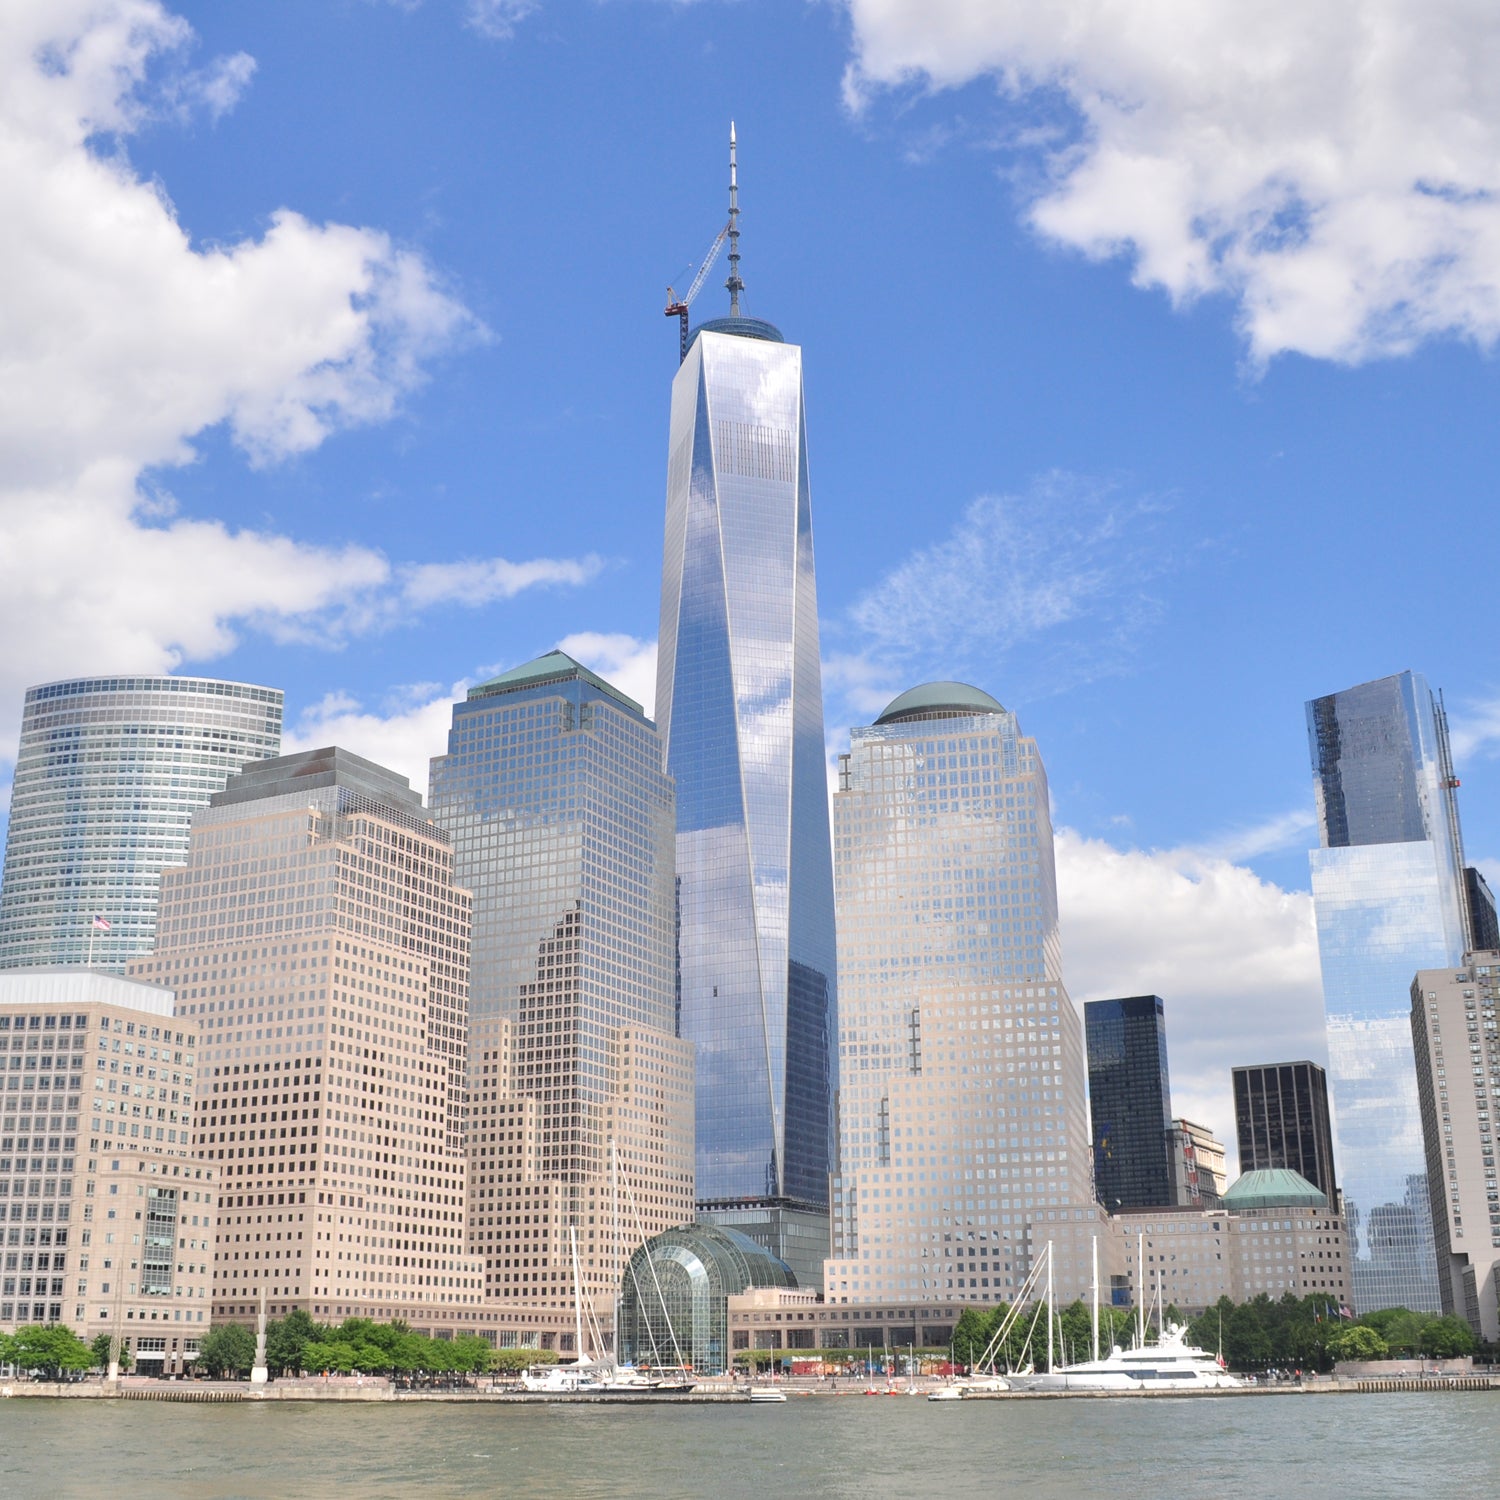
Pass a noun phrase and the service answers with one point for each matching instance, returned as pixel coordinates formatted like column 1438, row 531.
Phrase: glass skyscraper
column 1388, row 896
column 1130, row 1102
column 740, row 704
column 109, row 773
column 961, row 1109
column 563, row 826
column 1282, row 1120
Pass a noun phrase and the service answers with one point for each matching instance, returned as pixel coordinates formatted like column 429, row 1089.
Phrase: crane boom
column 677, row 307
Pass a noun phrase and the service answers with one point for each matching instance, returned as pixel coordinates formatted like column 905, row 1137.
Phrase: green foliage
column 287, row 1340
column 1448, row 1338
column 513, row 1361
column 971, row 1333
column 1356, row 1341
column 51, row 1350
column 100, row 1352
column 228, row 1350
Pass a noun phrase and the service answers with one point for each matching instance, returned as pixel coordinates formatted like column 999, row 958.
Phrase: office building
column 740, row 704
column 107, row 1212
column 318, row 945
column 563, row 827
column 108, row 775
column 1130, row 1101
column 1281, row 1120
column 1198, row 1175
column 1484, row 924
column 1455, row 1025
column 961, row 1079
column 1388, row 896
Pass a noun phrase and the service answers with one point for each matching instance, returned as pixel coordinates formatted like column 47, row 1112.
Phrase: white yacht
column 1171, row 1365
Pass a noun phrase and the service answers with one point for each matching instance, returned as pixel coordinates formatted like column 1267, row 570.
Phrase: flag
column 102, row 923
column 1346, row 1312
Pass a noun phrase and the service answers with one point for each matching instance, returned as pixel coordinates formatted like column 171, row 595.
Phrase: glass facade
column 1388, row 897
column 1282, row 1120
column 961, row 1074
column 739, row 700
column 1130, row 1102
column 563, row 826
column 108, row 775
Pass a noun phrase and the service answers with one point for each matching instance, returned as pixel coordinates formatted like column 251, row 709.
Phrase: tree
column 287, row 1340
column 1357, row 1342
column 970, row 1335
column 1447, row 1338
column 100, row 1350
column 513, row 1361
column 51, row 1350
column 228, row 1350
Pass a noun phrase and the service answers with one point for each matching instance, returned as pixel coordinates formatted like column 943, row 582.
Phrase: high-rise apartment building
column 318, row 946
column 1388, row 895
column 961, row 1076
column 108, row 775
column 1455, row 1025
column 1130, row 1101
column 1484, row 923
column 1198, row 1174
column 107, row 1211
column 740, row 705
column 1281, row 1120
column 563, row 827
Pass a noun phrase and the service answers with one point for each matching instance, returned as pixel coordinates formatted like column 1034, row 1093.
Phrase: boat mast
column 1140, row 1291
column 577, row 1297
column 1094, row 1320
column 614, row 1183
column 1050, row 1311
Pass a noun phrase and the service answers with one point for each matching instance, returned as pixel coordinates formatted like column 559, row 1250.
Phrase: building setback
column 1130, row 1102
column 1455, row 1025
column 740, row 704
column 1198, row 1176
column 563, row 827
column 1388, row 896
column 109, row 773
column 317, row 943
column 961, row 1099
column 107, row 1212
column 1281, row 1120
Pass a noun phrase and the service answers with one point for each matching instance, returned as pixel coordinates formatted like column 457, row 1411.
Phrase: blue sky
column 1150, row 391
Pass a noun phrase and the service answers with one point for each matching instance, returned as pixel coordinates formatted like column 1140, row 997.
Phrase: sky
column 1149, row 362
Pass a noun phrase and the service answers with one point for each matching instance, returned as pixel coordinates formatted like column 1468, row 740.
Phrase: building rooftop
column 1273, row 1187
column 743, row 328
column 939, row 700
column 74, row 984
column 310, row 769
column 555, row 666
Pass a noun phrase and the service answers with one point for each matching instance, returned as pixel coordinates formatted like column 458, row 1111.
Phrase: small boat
column 946, row 1393
column 766, row 1393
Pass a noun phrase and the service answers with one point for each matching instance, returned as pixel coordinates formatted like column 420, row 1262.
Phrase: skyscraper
column 1130, row 1101
column 1281, row 1120
column 563, row 826
column 318, row 945
column 1388, row 897
column 109, row 773
column 961, row 1078
column 740, row 704
column 1455, row 1023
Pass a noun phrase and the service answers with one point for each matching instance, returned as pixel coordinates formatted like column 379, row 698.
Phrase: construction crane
column 677, row 307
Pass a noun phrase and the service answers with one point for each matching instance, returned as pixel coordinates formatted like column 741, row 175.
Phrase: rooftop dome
column 939, row 700
column 1273, row 1187
column 743, row 328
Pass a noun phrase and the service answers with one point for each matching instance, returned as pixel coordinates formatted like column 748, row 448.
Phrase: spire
column 734, row 284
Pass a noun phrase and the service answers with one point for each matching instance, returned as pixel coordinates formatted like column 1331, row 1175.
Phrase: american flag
column 102, row 923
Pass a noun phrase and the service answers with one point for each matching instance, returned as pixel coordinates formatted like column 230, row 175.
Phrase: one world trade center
column 739, row 704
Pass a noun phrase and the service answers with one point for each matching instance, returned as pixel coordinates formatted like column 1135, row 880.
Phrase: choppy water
column 1348, row 1447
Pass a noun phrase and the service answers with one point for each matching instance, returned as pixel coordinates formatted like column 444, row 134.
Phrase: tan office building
column 106, row 1212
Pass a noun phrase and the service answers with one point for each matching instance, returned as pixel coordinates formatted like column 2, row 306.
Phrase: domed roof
column 939, row 700
column 1273, row 1187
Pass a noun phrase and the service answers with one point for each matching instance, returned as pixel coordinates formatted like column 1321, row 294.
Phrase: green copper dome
column 939, row 700
column 1273, row 1187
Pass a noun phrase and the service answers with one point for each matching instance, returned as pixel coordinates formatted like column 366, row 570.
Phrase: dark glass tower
column 1130, row 1101
column 1281, row 1116
column 739, row 702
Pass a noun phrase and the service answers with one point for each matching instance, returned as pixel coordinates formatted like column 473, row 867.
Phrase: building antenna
column 734, row 284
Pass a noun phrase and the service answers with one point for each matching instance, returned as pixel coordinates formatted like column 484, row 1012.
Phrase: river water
column 1363, row 1447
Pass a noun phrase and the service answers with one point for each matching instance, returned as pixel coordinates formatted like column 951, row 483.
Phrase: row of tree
column 296, row 1344
column 1290, row 1334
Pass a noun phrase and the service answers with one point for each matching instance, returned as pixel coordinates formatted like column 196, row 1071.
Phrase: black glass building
column 1281, row 1117
column 1130, row 1101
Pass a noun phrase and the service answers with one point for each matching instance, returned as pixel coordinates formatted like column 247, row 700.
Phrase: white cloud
column 124, row 341
column 1234, row 957
column 1474, row 730
column 404, row 738
column 498, row 18
column 1334, row 167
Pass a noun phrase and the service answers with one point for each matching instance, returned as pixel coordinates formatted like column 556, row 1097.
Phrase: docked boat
column 1169, row 1366
column 759, row 1393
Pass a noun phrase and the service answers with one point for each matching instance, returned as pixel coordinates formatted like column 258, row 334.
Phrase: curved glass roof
column 939, row 700
column 1273, row 1187
column 744, row 328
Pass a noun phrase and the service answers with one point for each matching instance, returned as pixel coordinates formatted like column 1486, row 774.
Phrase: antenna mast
column 734, row 285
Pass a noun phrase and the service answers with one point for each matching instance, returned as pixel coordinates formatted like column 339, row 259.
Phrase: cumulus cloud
column 498, row 18
column 411, row 728
column 124, row 341
column 1234, row 957
column 1334, row 168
